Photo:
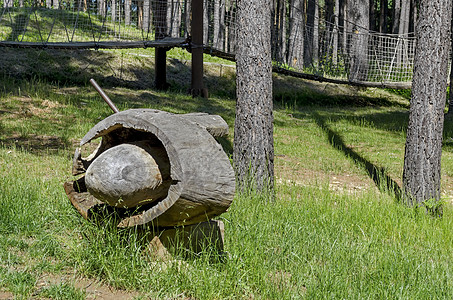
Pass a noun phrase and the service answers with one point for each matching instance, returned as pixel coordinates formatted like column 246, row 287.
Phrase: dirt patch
column 6, row 295
column 93, row 289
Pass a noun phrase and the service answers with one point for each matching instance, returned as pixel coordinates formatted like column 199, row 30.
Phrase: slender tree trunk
column 232, row 28
column 344, row 24
column 253, row 130
column 140, row 14
column 174, row 16
column 335, row 33
column 219, row 14
column 281, row 29
column 383, row 14
column 206, row 14
column 311, row 37
column 146, row 15
column 113, row 8
column 396, row 6
column 296, row 35
column 358, row 54
column 187, row 17
column 421, row 174
column 127, row 12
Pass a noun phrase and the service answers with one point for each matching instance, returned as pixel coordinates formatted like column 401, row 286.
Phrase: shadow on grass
column 378, row 174
column 36, row 144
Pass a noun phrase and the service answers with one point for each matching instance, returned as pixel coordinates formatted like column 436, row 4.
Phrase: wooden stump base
column 195, row 239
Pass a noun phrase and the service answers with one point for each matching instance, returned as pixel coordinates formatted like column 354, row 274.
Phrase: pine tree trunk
column 335, row 33
column 127, row 12
column 253, row 135
column 296, row 35
column 173, row 18
column 219, row 24
column 421, row 174
column 311, row 36
column 146, row 15
column 358, row 56
column 383, row 16
column 396, row 6
column 113, row 8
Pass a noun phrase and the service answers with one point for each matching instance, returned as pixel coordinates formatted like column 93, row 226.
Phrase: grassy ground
column 334, row 231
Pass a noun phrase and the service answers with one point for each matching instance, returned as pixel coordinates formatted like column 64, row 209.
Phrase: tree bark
column 219, row 24
column 174, row 15
column 311, row 37
column 253, row 135
column 296, row 35
column 383, row 14
column 127, row 12
column 396, row 6
column 113, row 8
column 359, row 16
column 421, row 174
column 146, row 15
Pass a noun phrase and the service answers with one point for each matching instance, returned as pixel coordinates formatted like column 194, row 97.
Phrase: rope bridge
column 317, row 50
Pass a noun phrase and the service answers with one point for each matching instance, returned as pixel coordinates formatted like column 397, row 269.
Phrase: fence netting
column 301, row 43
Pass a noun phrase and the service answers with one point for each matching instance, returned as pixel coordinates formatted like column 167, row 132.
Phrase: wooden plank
column 165, row 43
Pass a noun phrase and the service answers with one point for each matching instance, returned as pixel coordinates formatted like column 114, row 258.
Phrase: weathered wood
column 167, row 42
column 127, row 175
column 201, row 178
column 81, row 200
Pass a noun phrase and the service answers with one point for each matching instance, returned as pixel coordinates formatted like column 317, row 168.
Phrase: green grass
column 322, row 237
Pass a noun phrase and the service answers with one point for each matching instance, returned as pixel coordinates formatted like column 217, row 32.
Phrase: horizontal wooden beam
column 163, row 43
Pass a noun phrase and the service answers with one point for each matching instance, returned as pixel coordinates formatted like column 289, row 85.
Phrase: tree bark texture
column 296, row 35
column 253, row 135
column 127, row 12
column 358, row 52
column 421, row 175
column 311, row 36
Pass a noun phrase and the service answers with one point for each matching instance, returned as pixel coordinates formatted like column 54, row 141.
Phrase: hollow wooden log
column 200, row 179
column 127, row 175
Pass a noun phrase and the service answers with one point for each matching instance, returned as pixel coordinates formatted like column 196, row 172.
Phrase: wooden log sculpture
column 168, row 167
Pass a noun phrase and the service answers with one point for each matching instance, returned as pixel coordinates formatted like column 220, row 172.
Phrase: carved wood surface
column 202, row 181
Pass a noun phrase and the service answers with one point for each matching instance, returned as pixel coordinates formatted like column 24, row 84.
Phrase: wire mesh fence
column 302, row 43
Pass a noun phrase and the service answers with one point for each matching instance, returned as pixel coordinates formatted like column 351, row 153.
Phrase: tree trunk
column 146, row 15
column 140, row 14
column 127, row 12
column 383, row 14
column 358, row 56
column 335, row 33
column 311, row 41
column 206, row 12
column 219, row 15
column 421, row 174
column 253, row 131
column 232, row 27
column 280, row 28
column 174, row 15
column 113, row 8
column 344, row 24
column 396, row 7
column 101, row 7
column 296, row 35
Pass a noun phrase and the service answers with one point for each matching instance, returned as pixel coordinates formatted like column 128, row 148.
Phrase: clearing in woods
column 337, row 149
